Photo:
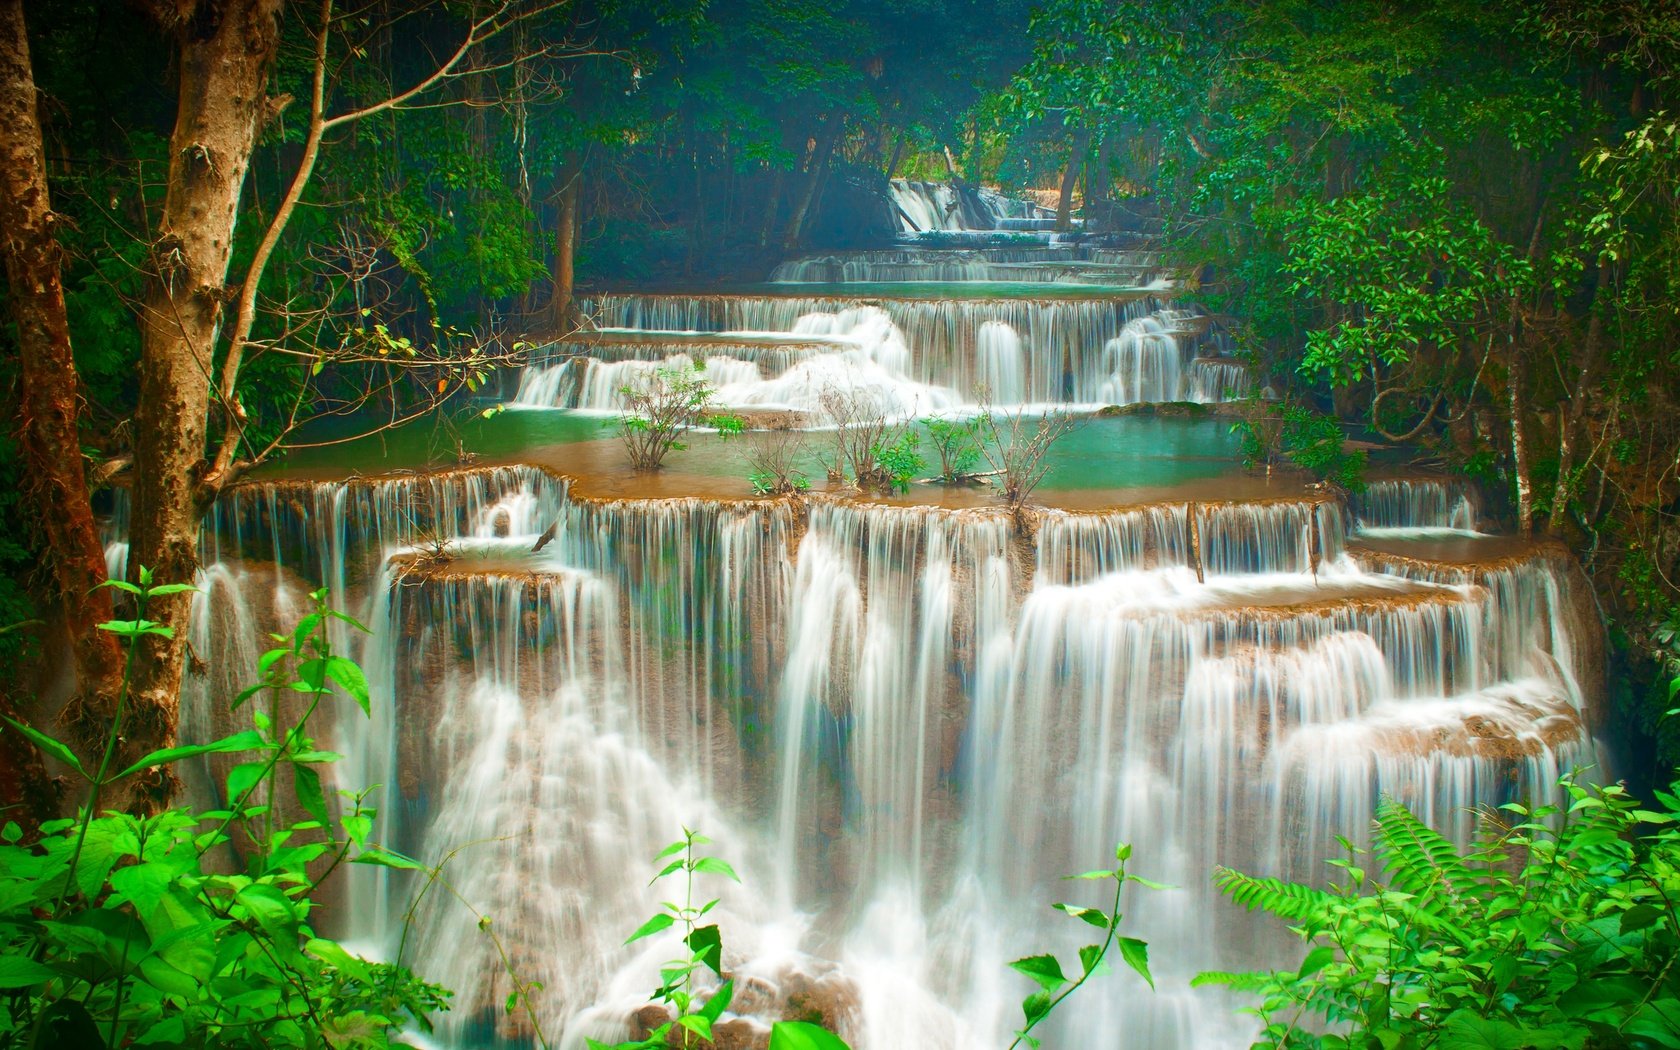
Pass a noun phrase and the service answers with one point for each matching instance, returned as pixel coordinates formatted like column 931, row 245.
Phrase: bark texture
column 1070, row 175
column 49, row 392
column 225, row 50
column 565, row 251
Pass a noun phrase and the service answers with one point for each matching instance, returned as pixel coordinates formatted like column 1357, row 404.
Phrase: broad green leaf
column 349, row 677
column 659, row 922
column 144, row 885
column 1658, row 1021
column 714, row 866
column 17, row 971
column 699, row 1024
column 1035, row 1007
column 243, row 778
column 707, row 945
column 246, row 741
column 1091, row 958
column 1042, row 968
column 803, row 1035
column 1316, row 960
column 307, row 785
column 166, row 589
column 1136, row 954
column 50, row 746
column 1095, row 916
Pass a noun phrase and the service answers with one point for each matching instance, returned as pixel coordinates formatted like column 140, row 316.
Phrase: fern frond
column 1417, row 858
column 1287, row 900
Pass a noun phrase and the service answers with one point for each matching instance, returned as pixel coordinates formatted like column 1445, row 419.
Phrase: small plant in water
column 773, row 456
column 695, row 1015
column 957, row 443
column 660, row 406
column 1018, row 449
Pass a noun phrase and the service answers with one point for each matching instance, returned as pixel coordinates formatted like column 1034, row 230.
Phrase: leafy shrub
column 897, row 464
column 1559, row 930
column 1271, row 433
column 878, row 453
column 660, row 406
column 118, row 930
column 957, row 443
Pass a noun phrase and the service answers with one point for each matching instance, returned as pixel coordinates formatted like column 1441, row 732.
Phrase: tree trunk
column 224, row 59
column 826, row 140
column 1519, row 449
column 1070, row 174
column 1569, row 413
column 565, row 250
column 1096, row 185
column 49, row 391
column 897, row 155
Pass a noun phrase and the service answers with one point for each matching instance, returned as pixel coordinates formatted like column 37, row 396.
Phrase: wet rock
column 1163, row 409
column 646, row 1019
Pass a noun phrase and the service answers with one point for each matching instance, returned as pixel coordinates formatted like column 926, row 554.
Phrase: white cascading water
column 1074, row 351
column 901, row 724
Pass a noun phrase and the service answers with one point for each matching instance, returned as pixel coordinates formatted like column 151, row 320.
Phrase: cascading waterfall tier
column 901, row 723
column 928, row 353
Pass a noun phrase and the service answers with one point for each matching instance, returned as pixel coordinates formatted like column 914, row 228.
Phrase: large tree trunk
column 1070, row 174
column 565, row 250
column 49, row 392
column 826, row 141
column 224, row 57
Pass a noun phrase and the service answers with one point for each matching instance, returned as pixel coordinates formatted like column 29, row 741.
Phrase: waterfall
column 901, row 723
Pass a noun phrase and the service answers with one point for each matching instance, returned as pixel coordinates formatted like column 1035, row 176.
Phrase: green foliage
column 957, row 443
column 1272, row 432
column 121, row 930
column 897, row 463
column 694, row 1012
column 1556, row 929
column 1054, row 986
column 660, row 406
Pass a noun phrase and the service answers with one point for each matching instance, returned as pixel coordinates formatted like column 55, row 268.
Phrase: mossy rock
column 1164, row 409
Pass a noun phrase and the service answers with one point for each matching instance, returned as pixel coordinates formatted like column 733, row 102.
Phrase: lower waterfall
column 901, row 724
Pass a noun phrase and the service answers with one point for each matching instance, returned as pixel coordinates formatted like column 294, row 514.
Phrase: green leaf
column 1316, row 960
column 242, row 779
column 17, row 971
column 1042, row 968
column 1136, row 954
column 349, row 676
column 1095, row 916
column 659, row 922
column 802, row 1035
column 165, row 589
column 1035, row 1007
column 1090, row 957
column 50, row 746
column 707, row 945
column 719, row 1001
column 246, row 741
column 699, row 1024
column 1658, row 1021
column 715, row 866
column 307, row 784
column 384, row 858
